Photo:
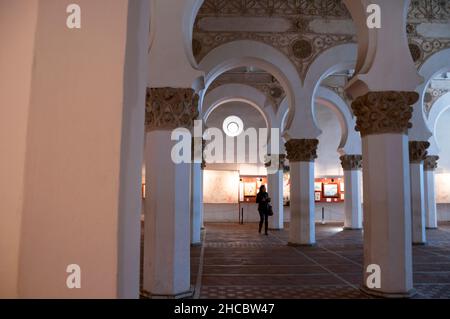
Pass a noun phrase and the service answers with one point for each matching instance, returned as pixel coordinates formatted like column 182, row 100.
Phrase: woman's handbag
column 269, row 210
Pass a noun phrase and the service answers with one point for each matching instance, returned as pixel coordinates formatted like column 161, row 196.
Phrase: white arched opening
column 341, row 57
column 439, row 107
column 251, row 53
column 434, row 65
column 237, row 93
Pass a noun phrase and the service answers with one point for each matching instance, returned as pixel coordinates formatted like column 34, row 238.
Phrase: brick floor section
column 238, row 263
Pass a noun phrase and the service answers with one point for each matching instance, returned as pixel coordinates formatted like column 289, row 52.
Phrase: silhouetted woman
column 263, row 200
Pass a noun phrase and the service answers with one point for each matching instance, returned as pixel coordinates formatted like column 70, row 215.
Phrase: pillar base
column 196, row 244
column 184, row 295
column 388, row 295
column 419, row 244
column 432, row 228
column 350, row 228
column 301, row 245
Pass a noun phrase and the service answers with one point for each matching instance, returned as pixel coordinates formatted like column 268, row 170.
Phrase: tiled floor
column 237, row 262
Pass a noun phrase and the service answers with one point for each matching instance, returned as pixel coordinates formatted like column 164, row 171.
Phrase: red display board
column 249, row 188
column 329, row 190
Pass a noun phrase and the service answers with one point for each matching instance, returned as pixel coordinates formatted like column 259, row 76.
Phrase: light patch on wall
column 220, row 187
column 443, row 188
column 328, row 163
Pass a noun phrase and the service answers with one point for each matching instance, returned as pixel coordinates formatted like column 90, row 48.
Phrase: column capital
column 170, row 108
column 198, row 150
column 430, row 163
column 302, row 150
column 418, row 151
column 384, row 112
column 281, row 159
column 351, row 162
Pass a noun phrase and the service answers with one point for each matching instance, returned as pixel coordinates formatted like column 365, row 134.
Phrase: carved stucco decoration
column 431, row 96
column 429, row 10
column 300, row 43
column 384, row 112
column 351, row 162
column 281, row 160
column 418, row 151
column 170, row 108
column 423, row 48
column 302, row 150
column 301, row 50
column 426, row 11
column 431, row 163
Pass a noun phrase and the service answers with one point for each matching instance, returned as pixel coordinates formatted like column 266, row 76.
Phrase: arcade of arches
column 352, row 122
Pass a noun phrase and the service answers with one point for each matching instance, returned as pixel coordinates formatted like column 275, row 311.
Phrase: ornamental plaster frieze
column 170, row 108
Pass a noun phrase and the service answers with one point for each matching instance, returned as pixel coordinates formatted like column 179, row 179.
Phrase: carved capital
column 430, row 163
column 384, row 112
column 170, row 108
column 418, row 151
column 198, row 150
column 281, row 160
column 302, row 150
column 351, row 162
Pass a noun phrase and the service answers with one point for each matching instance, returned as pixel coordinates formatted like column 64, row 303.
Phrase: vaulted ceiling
column 303, row 29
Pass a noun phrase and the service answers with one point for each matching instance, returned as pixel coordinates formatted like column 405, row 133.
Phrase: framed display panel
column 220, row 187
column 250, row 187
column 331, row 190
column 318, row 196
column 318, row 186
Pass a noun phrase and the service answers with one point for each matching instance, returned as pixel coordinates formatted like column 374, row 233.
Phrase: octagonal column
column 417, row 154
column 301, row 154
column 197, row 190
column 275, row 189
column 430, row 165
column 352, row 165
column 167, row 212
column 383, row 121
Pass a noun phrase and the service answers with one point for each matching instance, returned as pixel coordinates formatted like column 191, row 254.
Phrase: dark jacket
column 262, row 199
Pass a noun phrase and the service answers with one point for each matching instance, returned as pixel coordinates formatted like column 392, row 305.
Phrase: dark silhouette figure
column 263, row 200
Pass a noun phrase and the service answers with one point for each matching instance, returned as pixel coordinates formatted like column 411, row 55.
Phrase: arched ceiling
column 254, row 77
column 438, row 87
column 251, row 117
column 303, row 29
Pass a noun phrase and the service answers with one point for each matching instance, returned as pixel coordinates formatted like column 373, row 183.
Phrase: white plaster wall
column 328, row 163
column 17, row 29
column 443, row 172
column 228, row 213
column 442, row 136
column 443, row 212
column 83, row 144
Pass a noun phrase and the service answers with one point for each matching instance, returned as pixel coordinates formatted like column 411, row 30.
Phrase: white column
column 197, row 204
column 70, row 179
column 430, row 166
column 167, row 211
column 386, row 182
column 202, row 207
column 352, row 165
column 301, row 155
column 275, row 188
column 418, row 153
